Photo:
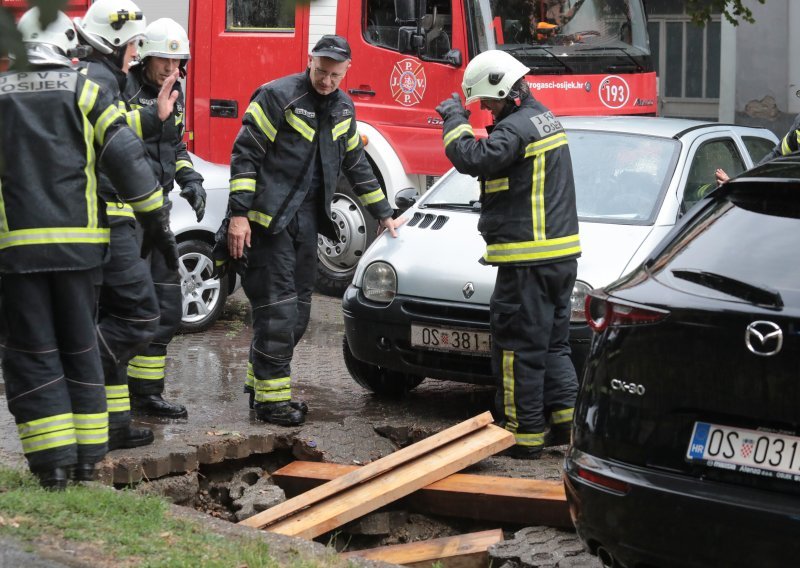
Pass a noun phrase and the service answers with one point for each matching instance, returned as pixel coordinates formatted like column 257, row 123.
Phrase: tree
column 733, row 10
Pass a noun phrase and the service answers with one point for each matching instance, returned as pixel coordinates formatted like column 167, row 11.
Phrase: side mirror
column 410, row 39
column 406, row 10
column 453, row 57
column 405, row 198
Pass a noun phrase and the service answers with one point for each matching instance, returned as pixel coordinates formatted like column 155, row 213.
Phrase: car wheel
column 377, row 379
column 355, row 231
column 203, row 296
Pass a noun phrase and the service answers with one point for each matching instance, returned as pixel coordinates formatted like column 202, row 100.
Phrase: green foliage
column 124, row 528
column 733, row 10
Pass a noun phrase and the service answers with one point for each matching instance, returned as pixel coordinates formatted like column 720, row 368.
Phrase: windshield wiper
column 613, row 48
column 758, row 295
column 518, row 51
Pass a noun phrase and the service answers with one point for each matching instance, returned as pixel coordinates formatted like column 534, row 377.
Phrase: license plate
column 462, row 340
column 749, row 451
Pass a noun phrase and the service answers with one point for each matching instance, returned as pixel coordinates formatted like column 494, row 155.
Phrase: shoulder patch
column 546, row 124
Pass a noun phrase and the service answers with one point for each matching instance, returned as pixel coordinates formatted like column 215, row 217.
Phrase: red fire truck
column 586, row 57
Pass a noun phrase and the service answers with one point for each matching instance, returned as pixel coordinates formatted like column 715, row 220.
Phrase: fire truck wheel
column 377, row 379
column 202, row 297
column 355, row 230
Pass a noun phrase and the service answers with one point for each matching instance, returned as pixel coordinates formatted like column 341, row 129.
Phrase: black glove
column 194, row 193
column 223, row 263
column 158, row 235
column 452, row 107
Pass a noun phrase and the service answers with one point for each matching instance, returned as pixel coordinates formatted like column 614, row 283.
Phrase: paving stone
column 179, row 489
column 542, row 547
column 378, row 523
column 258, row 497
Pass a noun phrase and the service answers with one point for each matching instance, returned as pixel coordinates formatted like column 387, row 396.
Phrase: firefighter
column 129, row 312
column 163, row 53
column 53, row 238
column 297, row 135
column 530, row 224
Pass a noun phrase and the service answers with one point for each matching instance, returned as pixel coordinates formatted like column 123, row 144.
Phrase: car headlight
column 380, row 282
column 577, row 301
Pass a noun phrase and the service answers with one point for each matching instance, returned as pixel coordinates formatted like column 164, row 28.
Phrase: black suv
column 686, row 439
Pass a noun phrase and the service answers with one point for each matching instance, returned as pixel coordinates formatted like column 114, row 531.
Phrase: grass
column 121, row 528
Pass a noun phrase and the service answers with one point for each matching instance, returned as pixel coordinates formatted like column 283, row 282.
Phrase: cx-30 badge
column 763, row 338
column 468, row 290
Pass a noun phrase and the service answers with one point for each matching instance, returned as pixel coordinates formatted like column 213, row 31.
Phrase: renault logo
column 763, row 338
column 468, row 290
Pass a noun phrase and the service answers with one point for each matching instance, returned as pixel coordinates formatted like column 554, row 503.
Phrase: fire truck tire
column 202, row 296
column 355, row 229
column 377, row 379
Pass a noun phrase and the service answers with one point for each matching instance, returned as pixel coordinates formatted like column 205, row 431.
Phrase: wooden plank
column 490, row 498
column 395, row 484
column 369, row 471
column 462, row 550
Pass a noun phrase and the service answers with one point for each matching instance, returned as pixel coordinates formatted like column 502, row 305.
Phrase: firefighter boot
column 83, row 472
column 300, row 405
column 558, row 435
column 523, row 452
column 281, row 413
column 129, row 437
column 53, row 479
column 155, row 405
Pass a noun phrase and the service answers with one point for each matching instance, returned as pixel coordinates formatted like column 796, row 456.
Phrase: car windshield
column 619, row 178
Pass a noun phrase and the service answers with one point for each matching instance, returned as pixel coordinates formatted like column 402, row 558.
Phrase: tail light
column 602, row 312
column 603, row 480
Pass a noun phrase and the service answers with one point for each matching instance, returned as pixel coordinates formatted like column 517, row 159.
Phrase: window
column 260, row 16
column 382, row 29
column 709, row 157
column 758, row 148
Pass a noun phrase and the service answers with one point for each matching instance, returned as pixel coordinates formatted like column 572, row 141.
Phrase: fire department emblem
column 174, row 45
column 408, row 82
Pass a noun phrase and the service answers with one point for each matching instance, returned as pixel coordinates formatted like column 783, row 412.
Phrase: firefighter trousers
column 537, row 383
column 51, row 367
column 147, row 369
column 128, row 316
column 279, row 282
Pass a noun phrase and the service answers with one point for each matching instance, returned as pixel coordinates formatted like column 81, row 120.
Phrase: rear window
column 747, row 234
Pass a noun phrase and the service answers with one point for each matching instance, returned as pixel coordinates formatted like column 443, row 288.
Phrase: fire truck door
column 242, row 45
column 398, row 92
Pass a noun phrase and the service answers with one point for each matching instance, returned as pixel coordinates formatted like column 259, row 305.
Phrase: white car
column 203, row 295
column 419, row 304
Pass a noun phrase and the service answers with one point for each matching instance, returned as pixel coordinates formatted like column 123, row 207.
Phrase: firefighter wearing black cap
column 129, row 311
column 53, row 239
column 530, row 224
column 163, row 53
column 298, row 134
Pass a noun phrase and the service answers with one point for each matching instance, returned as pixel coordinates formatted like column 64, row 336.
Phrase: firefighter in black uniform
column 298, row 135
column 164, row 51
column 530, row 224
column 129, row 312
column 53, row 239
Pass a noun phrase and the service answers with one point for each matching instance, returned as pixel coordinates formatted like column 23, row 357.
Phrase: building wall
column 763, row 62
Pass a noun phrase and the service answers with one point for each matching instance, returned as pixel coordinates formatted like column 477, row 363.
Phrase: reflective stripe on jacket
column 528, row 212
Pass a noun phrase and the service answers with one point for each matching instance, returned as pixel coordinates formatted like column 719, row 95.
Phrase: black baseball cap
column 332, row 46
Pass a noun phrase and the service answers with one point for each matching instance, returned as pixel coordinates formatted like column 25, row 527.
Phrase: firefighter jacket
column 165, row 146
column 788, row 145
column 56, row 125
column 284, row 127
column 144, row 123
column 528, row 212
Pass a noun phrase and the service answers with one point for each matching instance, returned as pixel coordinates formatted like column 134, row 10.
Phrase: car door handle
column 224, row 108
column 362, row 92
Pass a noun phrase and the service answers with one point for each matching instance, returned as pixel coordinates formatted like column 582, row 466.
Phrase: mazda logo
column 468, row 290
column 763, row 338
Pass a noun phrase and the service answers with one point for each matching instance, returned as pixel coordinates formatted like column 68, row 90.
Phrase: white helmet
column 165, row 38
column 111, row 24
column 491, row 75
column 59, row 34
